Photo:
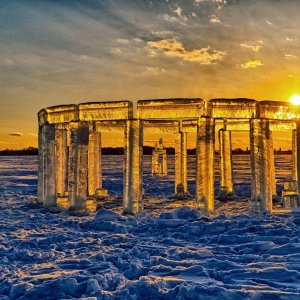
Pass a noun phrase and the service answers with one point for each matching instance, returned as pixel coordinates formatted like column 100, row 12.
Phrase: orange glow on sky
column 57, row 53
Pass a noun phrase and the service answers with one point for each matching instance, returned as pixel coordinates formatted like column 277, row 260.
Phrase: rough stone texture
column 282, row 125
column 133, row 179
column 58, row 114
column 94, row 163
column 261, row 183
column 205, row 149
column 170, row 108
column 160, row 126
column 272, row 163
column 226, row 183
column 159, row 165
column 298, row 153
column 278, row 110
column 294, row 155
column 170, row 116
column 110, row 126
column 231, row 108
column 78, row 165
column 41, row 166
column 115, row 110
column 61, row 157
column 49, row 166
column 181, row 161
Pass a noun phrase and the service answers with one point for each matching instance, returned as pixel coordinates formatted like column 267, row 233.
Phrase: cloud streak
column 255, row 46
column 17, row 134
column 252, row 64
column 204, row 56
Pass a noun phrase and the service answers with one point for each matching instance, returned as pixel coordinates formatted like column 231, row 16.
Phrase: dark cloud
column 16, row 134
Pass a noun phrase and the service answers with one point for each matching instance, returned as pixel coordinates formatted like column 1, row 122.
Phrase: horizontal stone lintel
column 171, row 110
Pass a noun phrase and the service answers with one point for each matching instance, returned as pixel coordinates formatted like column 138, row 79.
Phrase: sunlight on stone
column 295, row 99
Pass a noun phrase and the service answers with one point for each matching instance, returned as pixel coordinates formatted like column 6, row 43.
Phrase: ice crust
column 176, row 254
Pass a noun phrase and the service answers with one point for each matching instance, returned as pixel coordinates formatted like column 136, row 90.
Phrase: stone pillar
column 298, row 153
column 181, row 161
column 226, row 182
column 61, row 157
column 78, row 166
column 272, row 164
column 164, row 163
column 41, row 173
column 261, row 182
column 159, row 162
column 294, row 155
column 49, row 166
column 205, row 149
column 94, row 163
column 133, row 176
column 154, row 166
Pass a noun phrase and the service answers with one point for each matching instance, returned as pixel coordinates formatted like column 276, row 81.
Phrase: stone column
column 298, row 153
column 154, row 167
column 61, row 157
column 78, row 165
column 164, row 163
column 261, row 182
column 272, row 164
column 133, row 175
column 181, row 160
column 226, row 182
column 294, row 155
column 41, row 173
column 94, row 163
column 205, row 149
column 49, row 166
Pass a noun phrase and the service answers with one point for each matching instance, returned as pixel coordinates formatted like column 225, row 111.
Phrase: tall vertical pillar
column 226, row 182
column 133, row 177
column 205, row 150
column 298, row 153
column 78, row 165
column 49, row 166
column 294, row 155
column 61, row 156
column 41, row 171
column 272, row 163
column 261, row 182
column 94, row 163
column 181, row 160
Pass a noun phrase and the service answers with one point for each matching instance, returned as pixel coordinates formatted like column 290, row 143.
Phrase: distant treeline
column 147, row 150
column 22, row 152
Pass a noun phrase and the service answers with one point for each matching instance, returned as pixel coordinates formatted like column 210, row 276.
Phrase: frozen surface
column 176, row 253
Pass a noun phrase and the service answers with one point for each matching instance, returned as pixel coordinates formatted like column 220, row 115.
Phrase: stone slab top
column 169, row 109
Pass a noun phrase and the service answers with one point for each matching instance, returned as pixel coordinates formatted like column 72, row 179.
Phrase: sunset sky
column 72, row 51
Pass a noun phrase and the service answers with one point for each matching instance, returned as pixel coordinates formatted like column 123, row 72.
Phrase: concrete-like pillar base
column 62, row 201
column 101, row 194
column 90, row 205
column 180, row 193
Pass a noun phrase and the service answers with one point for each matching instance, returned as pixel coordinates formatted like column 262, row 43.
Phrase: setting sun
column 295, row 99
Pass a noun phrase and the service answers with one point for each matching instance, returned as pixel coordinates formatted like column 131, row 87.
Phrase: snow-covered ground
column 171, row 251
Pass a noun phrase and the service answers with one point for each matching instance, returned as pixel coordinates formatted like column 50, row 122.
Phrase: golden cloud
column 255, row 46
column 204, row 56
column 251, row 64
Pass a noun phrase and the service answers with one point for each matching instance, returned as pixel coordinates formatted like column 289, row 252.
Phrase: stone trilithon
column 69, row 174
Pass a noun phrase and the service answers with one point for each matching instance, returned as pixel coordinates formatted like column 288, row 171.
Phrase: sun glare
column 295, row 99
